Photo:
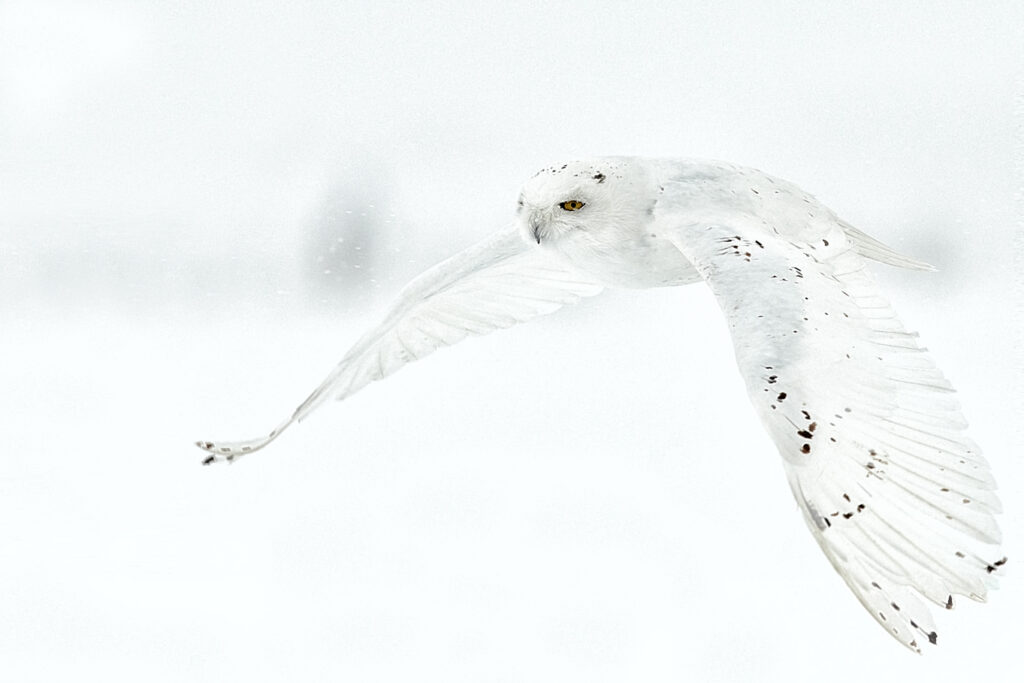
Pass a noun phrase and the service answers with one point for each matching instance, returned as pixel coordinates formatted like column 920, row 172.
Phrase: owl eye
column 572, row 205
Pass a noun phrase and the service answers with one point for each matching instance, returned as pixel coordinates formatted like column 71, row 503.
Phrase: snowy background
column 203, row 204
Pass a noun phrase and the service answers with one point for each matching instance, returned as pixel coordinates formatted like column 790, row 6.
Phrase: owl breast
column 641, row 260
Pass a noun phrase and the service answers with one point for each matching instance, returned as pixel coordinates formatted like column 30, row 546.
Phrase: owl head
column 590, row 199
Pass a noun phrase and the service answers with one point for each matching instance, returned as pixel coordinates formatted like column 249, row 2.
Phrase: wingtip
column 208, row 447
column 230, row 451
column 900, row 261
column 216, row 453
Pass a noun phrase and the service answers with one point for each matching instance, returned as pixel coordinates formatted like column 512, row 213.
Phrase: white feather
column 899, row 499
column 492, row 285
column 871, row 436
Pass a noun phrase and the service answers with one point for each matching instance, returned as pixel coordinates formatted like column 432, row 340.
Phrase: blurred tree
column 346, row 240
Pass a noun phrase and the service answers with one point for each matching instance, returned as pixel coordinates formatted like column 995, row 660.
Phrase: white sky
column 499, row 512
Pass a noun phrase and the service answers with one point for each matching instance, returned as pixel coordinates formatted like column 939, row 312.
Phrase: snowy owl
column 871, row 438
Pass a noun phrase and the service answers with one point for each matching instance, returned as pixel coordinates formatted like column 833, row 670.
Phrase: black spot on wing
column 995, row 565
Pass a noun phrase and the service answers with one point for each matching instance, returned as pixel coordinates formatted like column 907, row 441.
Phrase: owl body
column 618, row 235
column 872, row 441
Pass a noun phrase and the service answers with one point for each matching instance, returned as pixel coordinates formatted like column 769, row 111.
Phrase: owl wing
column 494, row 284
column 872, row 439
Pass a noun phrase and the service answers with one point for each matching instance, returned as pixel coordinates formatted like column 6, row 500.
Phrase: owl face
column 591, row 196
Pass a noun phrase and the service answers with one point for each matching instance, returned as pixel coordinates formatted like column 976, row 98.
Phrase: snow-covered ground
column 588, row 497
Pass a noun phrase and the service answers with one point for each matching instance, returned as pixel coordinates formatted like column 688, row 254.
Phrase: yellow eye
column 572, row 205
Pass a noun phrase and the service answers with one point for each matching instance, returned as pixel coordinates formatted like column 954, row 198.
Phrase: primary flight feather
column 872, row 440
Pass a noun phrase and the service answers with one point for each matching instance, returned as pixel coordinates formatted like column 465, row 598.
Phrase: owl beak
column 535, row 226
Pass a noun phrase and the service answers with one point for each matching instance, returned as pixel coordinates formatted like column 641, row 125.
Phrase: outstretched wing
column 896, row 495
column 494, row 284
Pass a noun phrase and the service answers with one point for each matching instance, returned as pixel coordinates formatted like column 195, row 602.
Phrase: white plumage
column 872, row 440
